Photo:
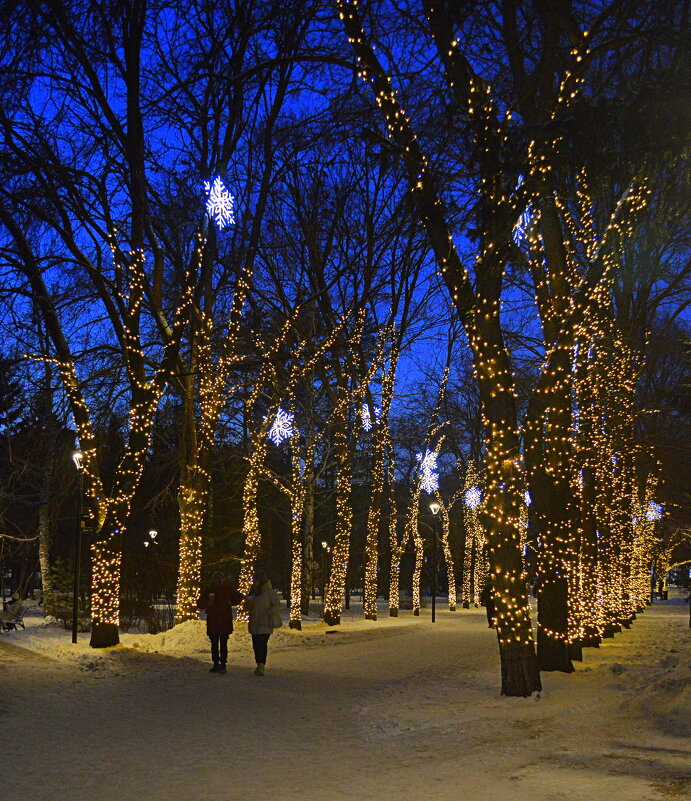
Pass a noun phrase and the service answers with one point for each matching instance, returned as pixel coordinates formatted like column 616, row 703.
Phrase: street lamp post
column 434, row 506
column 77, row 458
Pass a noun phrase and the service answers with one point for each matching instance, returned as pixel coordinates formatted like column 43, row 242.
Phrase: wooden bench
column 12, row 623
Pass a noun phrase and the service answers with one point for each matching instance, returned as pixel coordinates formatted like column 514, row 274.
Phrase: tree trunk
column 344, row 514
column 308, row 538
column 106, row 559
column 503, row 494
column 373, row 518
column 44, row 543
column 192, row 497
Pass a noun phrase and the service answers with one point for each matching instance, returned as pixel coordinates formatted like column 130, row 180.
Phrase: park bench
column 13, row 622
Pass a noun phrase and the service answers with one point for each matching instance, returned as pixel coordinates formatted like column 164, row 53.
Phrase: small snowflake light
column 282, row 427
column 654, row 512
column 528, row 500
column 473, row 498
column 429, row 478
column 367, row 417
column 520, row 230
column 219, row 202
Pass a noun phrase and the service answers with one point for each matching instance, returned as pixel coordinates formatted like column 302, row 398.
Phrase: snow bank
column 189, row 640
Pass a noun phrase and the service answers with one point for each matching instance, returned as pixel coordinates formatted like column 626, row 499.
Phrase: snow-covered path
column 399, row 711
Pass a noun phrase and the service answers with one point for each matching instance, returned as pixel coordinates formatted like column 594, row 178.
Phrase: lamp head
column 434, row 506
column 78, row 459
column 153, row 533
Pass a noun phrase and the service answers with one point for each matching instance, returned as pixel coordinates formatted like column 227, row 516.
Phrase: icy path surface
column 399, row 710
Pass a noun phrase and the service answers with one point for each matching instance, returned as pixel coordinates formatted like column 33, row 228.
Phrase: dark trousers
column 219, row 648
column 260, row 643
column 489, row 606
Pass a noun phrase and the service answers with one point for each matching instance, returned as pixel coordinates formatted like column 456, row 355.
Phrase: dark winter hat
column 260, row 576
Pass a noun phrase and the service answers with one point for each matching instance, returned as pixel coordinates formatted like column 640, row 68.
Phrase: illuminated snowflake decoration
column 282, row 427
column 219, row 203
column 367, row 418
column 429, row 482
column 528, row 500
column 473, row 498
column 520, row 230
column 654, row 512
column 429, row 478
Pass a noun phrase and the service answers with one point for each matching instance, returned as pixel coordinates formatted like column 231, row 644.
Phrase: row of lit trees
column 517, row 117
column 308, row 301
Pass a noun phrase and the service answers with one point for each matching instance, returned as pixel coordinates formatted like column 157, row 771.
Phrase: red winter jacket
column 219, row 615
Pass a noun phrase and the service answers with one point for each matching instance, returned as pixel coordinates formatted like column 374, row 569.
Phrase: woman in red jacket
column 217, row 601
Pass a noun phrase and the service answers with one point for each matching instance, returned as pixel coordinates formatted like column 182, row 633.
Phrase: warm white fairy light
column 219, row 203
column 282, row 427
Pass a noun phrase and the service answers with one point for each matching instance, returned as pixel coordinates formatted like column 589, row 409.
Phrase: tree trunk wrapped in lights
column 297, row 515
column 344, row 449
column 479, row 310
column 381, row 441
column 474, row 546
column 344, row 514
column 444, row 510
column 250, row 513
column 427, row 481
column 396, row 546
column 108, row 514
column 418, row 545
column 608, row 474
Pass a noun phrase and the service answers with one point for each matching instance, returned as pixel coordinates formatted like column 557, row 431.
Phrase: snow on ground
column 396, row 710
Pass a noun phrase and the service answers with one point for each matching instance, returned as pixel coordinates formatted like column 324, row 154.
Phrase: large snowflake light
column 473, row 498
column 429, row 478
column 654, row 512
column 282, row 427
column 219, row 202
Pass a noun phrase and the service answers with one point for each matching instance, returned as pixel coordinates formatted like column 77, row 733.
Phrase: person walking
column 218, row 601
column 264, row 609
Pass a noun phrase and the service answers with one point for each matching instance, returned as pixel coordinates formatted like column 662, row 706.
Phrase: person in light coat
column 264, row 609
